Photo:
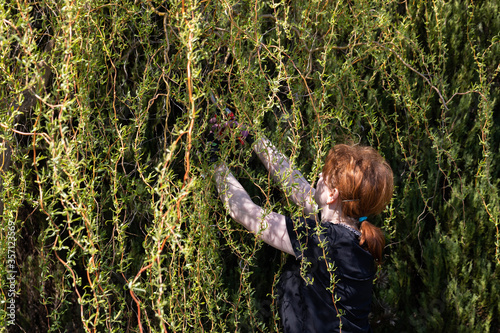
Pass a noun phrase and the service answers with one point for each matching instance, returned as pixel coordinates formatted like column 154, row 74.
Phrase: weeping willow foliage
column 103, row 110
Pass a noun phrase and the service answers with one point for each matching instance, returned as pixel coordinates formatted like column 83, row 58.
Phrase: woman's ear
column 333, row 196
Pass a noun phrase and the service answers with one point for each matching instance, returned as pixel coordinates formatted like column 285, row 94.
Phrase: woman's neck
column 335, row 216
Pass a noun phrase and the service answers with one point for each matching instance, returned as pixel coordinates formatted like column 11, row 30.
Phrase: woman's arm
column 271, row 228
column 295, row 186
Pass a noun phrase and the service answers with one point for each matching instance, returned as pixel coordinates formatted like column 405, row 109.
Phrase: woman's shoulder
column 344, row 229
column 312, row 227
column 315, row 223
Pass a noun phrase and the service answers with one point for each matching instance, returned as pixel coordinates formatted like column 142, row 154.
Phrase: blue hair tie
column 362, row 218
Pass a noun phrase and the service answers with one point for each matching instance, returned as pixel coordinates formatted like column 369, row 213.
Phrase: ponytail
column 372, row 238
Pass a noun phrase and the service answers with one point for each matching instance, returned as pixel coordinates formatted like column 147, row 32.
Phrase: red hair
column 365, row 184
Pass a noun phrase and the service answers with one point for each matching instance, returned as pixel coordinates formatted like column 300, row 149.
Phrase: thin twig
column 414, row 70
column 44, row 135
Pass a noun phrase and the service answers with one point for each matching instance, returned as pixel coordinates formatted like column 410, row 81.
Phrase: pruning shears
column 230, row 122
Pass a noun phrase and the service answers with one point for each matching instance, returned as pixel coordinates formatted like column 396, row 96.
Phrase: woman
column 327, row 285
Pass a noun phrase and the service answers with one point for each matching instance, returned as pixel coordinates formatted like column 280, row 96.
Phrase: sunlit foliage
column 103, row 110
